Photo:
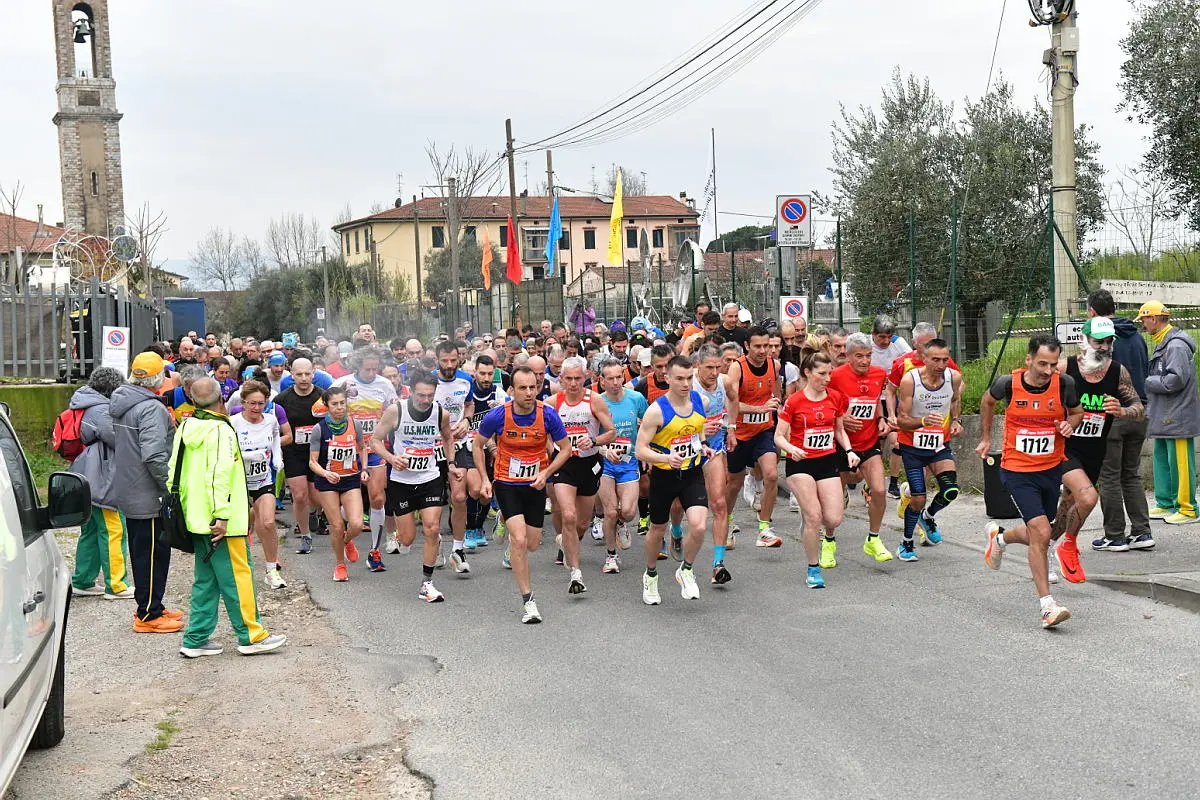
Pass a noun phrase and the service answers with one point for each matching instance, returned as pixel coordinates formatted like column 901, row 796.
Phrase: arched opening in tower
column 83, row 28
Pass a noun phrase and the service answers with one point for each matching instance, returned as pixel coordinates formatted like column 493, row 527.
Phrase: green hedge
column 32, row 409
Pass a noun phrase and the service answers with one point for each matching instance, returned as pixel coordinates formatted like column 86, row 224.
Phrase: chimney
column 683, row 196
column 41, row 226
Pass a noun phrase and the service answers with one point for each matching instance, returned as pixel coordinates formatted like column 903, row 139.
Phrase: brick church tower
column 89, row 140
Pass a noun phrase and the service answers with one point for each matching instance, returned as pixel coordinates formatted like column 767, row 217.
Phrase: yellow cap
column 1153, row 309
column 147, row 364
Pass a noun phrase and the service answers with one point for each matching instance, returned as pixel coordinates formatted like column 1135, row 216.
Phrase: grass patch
column 166, row 731
column 43, row 461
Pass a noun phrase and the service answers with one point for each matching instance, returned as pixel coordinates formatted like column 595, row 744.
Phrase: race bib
column 463, row 444
column 302, row 435
column 1092, row 426
column 862, row 408
column 439, row 453
column 258, row 471
column 1035, row 442
column 420, row 459
column 929, row 438
column 756, row 418
column 343, row 459
column 686, row 447
column 620, row 448
column 818, row 440
column 366, row 425
column 576, row 433
column 519, row 470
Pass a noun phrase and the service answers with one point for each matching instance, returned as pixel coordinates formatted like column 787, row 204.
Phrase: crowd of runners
column 626, row 432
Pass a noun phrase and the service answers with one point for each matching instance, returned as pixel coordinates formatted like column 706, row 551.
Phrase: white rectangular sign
column 1069, row 332
column 793, row 307
column 793, row 220
column 115, row 350
column 1169, row 292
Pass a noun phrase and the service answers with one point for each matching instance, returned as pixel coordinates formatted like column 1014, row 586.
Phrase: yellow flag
column 615, row 249
column 486, row 267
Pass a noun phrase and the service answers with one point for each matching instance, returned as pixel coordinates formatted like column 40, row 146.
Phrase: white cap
column 644, row 356
column 744, row 315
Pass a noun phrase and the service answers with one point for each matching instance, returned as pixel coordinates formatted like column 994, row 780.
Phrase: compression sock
column 676, row 531
column 718, row 554
column 377, row 518
column 687, row 565
column 526, row 597
column 829, row 538
column 910, row 522
column 427, row 571
column 763, row 524
column 652, row 573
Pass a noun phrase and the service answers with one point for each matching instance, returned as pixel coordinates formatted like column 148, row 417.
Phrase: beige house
column 401, row 237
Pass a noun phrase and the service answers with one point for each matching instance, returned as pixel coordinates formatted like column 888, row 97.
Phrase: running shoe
column 1160, row 513
column 994, row 553
column 643, row 526
column 793, row 504
column 430, row 594
column 749, row 489
column 1118, row 545
column 125, row 594
column 1181, row 519
column 273, row 580
column 662, row 552
column 611, row 566
column 279, row 504
column 506, row 562
column 597, row 531
column 688, row 588
column 905, row 499
column 531, row 616
column 560, row 559
column 322, row 526
column 375, row 561
column 1143, row 541
column 91, row 591
column 392, row 547
column 1054, row 614
column 814, row 579
column 876, row 549
column 866, row 494
column 501, row 529
column 624, row 539
column 1052, row 566
column 828, row 558
column 731, row 539
column 351, row 551
column 767, row 538
column 272, row 642
column 677, row 548
column 757, row 504
column 296, row 530
column 440, row 561
column 207, row 649
column 720, row 575
column 907, row 551
column 339, row 573
column 933, row 536
column 650, row 594
column 480, row 538
column 893, row 489
column 459, row 563
column 468, row 543
column 548, row 506
column 576, row 585
column 1068, row 557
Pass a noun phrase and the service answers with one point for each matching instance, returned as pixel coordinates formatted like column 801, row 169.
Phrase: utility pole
column 325, row 285
column 716, row 231
column 512, row 195
column 417, row 245
column 452, row 220
column 1064, row 40
column 550, row 193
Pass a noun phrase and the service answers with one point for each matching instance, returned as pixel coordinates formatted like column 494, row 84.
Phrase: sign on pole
column 1069, row 332
column 793, row 307
column 115, row 352
column 793, row 222
column 320, row 312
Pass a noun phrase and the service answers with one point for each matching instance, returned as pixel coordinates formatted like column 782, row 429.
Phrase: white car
column 35, row 591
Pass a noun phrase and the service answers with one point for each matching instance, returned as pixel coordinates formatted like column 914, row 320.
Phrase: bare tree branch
column 1135, row 203
column 14, row 273
column 292, row 240
column 217, row 260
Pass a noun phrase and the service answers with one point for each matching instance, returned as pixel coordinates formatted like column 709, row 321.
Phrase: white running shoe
column 749, row 489
column 650, row 594
column 531, row 616
column 272, row 642
column 793, row 504
column 624, row 538
column 768, row 538
column 393, row 547
column 611, row 566
column 273, row 580
column 459, row 561
column 686, row 578
column 597, row 531
column 1052, row 556
column 430, row 594
column 576, row 586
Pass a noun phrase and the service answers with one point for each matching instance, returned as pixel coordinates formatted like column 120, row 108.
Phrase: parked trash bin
column 997, row 502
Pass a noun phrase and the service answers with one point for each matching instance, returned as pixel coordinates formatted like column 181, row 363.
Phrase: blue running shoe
column 907, row 551
column 928, row 524
column 305, row 546
column 279, row 504
column 480, row 538
column 815, row 581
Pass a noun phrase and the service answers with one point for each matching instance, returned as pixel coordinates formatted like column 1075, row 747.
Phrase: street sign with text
column 793, row 222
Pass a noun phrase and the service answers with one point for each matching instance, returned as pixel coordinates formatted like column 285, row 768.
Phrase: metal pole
column 512, row 199
column 452, row 219
column 783, row 251
column 1064, row 40
column 1052, row 252
column 954, row 280
column 732, row 276
column 838, row 256
column 416, row 247
column 716, row 231
column 628, row 294
column 604, row 297
column 912, row 264
column 662, row 314
column 325, row 286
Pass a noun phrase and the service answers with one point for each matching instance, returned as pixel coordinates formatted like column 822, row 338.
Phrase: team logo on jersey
column 351, row 390
column 1022, row 404
column 819, row 416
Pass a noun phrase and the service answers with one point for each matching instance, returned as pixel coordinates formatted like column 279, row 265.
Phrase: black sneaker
column 1118, row 545
column 893, row 490
column 720, row 575
column 558, row 559
column 1142, row 542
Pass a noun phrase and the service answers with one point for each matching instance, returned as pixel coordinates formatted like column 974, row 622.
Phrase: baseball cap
column 146, row 364
column 744, row 315
column 1153, row 309
column 644, row 355
column 276, row 359
column 1099, row 328
column 267, row 345
column 345, row 348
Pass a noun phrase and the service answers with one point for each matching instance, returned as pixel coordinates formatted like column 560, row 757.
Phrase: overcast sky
column 239, row 111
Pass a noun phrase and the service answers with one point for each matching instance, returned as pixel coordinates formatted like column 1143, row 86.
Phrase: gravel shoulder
column 313, row 719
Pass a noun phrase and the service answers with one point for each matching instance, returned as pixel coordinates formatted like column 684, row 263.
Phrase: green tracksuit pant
column 1175, row 475
column 228, row 575
column 101, row 549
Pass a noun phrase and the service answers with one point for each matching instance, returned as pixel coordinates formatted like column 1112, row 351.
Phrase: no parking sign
column 115, row 349
column 793, row 307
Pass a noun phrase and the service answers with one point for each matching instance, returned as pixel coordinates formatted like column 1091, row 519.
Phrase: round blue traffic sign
column 116, row 338
column 794, row 211
column 794, row 308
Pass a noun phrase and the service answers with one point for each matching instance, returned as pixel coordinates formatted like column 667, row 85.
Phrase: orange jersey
column 521, row 452
column 755, row 390
column 1032, row 442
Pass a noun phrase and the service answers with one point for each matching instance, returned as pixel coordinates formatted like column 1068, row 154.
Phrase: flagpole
column 716, row 231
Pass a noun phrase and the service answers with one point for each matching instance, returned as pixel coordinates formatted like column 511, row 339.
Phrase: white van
column 35, row 591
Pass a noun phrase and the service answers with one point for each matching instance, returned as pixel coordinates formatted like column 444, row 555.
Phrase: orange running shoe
column 172, row 613
column 339, row 573
column 1068, row 559
column 157, row 625
column 351, row 551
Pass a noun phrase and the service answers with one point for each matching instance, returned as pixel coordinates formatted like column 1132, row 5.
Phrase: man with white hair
column 142, row 446
column 731, row 330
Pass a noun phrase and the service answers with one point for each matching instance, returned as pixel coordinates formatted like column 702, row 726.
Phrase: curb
column 1179, row 592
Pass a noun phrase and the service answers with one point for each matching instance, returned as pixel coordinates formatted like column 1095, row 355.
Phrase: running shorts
column 668, row 485
column 1035, row 493
column 257, row 493
column 863, row 456
column 622, row 471
column 295, row 462
column 464, row 458
column 747, row 453
column 582, row 473
column 405, row 498
column 820, row 468
column 1090, row 467
column 521, row 500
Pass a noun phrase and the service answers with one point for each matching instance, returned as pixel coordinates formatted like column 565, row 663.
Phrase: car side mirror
column 70, row 500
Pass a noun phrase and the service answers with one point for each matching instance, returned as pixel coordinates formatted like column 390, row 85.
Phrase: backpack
column 68, row 434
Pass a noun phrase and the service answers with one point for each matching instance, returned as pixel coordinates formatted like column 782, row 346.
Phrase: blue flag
column 552, row 240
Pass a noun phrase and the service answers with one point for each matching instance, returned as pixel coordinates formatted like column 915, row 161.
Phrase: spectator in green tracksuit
column 1173, row 411
column 216, row 508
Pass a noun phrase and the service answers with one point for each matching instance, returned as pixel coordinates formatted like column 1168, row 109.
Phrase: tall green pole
column 954, row 279
column 628, row 295
column 732, row 275
column 838, row 256
column 1050, row 252
column 779, row 251
column 912, row 262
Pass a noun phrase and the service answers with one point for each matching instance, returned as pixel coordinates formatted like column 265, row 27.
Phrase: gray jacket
column 96, row 462
column 1173, row 406
column 143, row 432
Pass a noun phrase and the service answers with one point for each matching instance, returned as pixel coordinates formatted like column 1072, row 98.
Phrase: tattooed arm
column 1127, row 404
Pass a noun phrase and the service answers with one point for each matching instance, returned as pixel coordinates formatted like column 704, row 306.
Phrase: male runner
column 651, row 385
column 928, row 409
column 416, row 483
column 753, row 392
column 298, row 402
column 710, row 384
column 619, row 481
column 1042, row 410
column 671, row 440
column 1105, row 392
column 486, row 394
column 454, row 395
column 368, row 395
column 589, row 425
column 522, row 431
column 862, row 384
column 886, row 347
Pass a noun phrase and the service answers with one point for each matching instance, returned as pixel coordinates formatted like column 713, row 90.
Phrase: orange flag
column 487, row 261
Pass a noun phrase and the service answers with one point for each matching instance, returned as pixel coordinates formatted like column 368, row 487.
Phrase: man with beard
column 1105, row 392
column 187, row 352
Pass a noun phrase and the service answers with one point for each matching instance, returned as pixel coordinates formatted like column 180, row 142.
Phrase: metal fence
column 56, row 333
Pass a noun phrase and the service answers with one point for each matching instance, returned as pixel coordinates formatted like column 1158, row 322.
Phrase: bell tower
column 89, row 139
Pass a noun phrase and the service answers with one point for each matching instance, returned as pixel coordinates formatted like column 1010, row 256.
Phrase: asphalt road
column 923, row 680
